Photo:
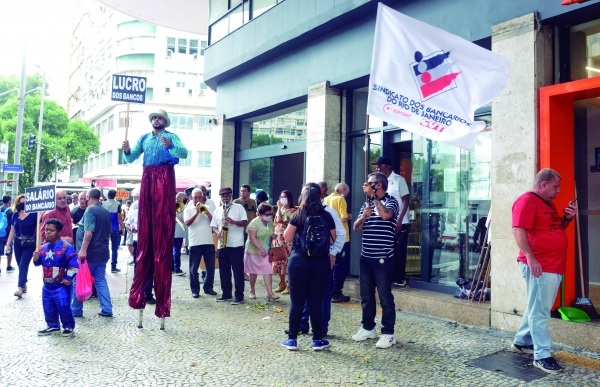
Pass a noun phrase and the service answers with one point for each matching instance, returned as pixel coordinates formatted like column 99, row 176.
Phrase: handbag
column 277, row 253
column 84, row 281
column 26, row 240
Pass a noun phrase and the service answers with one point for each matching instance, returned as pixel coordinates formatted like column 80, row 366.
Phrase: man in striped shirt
column 377, row 220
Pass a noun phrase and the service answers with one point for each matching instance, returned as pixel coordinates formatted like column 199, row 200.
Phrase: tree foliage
column 13, row 82
column 72, row 140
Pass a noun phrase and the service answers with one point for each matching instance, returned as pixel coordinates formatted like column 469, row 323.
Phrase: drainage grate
column 510, row 364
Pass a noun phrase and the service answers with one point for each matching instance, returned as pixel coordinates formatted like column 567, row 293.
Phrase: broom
column 583, row 303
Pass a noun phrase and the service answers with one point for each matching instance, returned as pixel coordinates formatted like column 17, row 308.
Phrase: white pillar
column 223, row 157
column 515, row 153
column 325, row 157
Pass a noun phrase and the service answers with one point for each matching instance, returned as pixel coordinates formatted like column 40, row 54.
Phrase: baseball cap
column 382, row 160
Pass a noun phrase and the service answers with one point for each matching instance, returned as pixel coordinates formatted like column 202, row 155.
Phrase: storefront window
column 273, row 175
column 359, row 109
column 450, row 200
column 449, row 197
column 585, row 50
column 276, row 128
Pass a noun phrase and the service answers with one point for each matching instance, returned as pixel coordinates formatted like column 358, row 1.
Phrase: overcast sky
column 46, row 24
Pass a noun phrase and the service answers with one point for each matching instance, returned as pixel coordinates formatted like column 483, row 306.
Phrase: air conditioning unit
column 169, row 53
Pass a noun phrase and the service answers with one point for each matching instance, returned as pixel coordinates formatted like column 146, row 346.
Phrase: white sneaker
column 364, row 334
column 386, row 341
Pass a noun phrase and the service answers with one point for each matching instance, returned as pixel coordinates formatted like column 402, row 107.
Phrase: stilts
column 140, row 317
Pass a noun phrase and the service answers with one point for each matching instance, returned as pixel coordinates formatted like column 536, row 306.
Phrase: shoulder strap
column 542, row 199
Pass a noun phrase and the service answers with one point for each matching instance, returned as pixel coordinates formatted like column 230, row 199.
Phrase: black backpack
column 314, row 240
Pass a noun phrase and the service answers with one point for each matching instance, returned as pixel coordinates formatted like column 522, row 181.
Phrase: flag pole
column 367, row 149
column 367, row 153
column 127, row 122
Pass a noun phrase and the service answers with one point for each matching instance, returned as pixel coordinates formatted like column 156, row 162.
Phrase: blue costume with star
column 59, row 261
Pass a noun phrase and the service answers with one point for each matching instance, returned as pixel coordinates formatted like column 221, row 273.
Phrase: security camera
column 213, row 121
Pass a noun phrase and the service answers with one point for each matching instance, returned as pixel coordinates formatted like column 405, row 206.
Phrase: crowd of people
column 306, row 246
column 239, row 232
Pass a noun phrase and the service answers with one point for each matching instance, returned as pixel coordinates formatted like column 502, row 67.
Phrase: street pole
column 39, row 138
column 19, row 134
column 55, row 160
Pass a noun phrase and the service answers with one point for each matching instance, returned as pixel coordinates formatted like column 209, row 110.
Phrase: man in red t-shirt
column 539, row 231
column 62, row 213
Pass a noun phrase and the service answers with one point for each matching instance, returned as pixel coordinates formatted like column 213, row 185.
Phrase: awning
column 181, row 183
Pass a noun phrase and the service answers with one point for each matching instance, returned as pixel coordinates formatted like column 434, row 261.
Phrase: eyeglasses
column 269, row 214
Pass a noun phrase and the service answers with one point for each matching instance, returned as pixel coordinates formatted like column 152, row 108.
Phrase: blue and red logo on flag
column 433, row 74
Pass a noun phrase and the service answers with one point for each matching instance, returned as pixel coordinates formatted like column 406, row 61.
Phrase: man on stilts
column 154, row 260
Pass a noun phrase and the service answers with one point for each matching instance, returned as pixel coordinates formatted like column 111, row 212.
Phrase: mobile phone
column 573, row 201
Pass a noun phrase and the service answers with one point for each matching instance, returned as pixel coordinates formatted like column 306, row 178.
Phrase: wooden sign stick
column 127, row 122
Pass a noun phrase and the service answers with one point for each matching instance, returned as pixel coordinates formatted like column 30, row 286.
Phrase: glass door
column 450, row 198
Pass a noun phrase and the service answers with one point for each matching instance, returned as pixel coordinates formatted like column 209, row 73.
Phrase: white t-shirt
column 235, row 236
column 132, row 219
column 397, row 188
column 199, row 232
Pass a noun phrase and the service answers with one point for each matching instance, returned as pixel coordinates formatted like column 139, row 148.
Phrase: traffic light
column 31, row 142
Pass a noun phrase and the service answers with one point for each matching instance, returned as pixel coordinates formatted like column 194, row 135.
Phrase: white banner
column 429, row 81
column 4, row 152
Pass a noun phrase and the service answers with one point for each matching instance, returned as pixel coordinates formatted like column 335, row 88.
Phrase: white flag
column 429, row 81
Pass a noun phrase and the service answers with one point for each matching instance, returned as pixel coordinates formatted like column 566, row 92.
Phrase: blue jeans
column 541, row 293
column 377, row 275
column 196, row 254
column 177, row 243
column 98, row 271
column 23, row 256
column 231, row 259
column 326, row 308
column 308, row 277
column 340, row 270
column 115, row 242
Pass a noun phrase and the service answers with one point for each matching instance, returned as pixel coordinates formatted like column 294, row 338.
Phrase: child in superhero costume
column 59, row 260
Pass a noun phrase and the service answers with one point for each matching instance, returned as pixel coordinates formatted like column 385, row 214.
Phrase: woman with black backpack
column 312, row 230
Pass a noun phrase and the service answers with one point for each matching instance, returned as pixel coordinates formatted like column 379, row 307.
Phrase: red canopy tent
column 181, row 183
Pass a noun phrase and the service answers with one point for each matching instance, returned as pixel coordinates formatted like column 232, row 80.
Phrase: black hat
column 382, row 160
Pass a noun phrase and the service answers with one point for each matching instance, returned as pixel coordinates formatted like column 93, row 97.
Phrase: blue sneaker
column 319, row 345
column 291, row 344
